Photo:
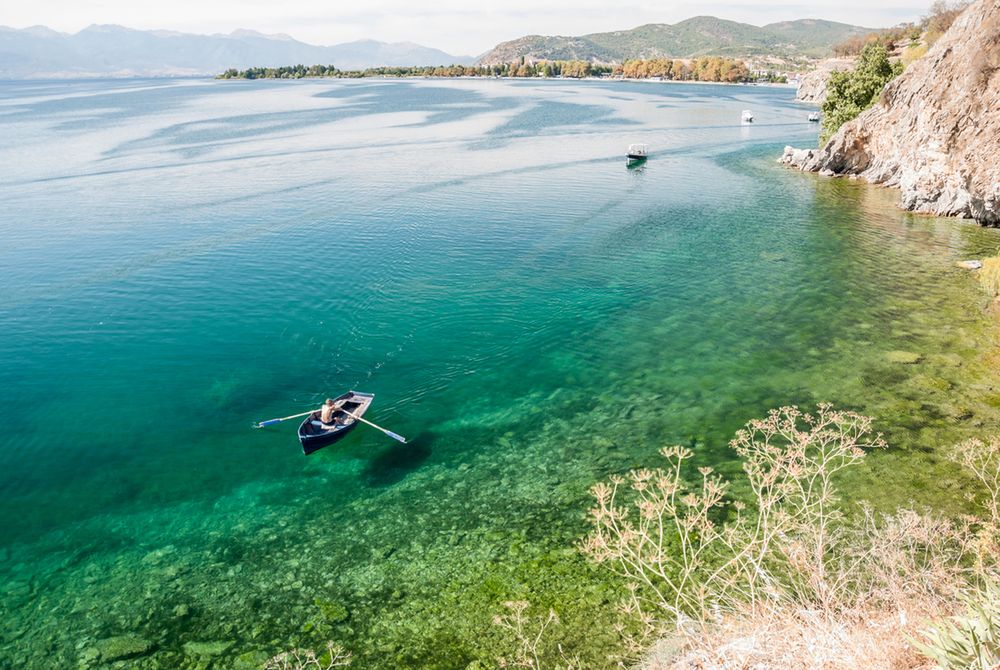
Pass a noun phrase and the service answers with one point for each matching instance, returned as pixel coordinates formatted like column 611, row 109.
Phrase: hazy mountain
column 107, row 50
column 698, row 36
column 814, row 37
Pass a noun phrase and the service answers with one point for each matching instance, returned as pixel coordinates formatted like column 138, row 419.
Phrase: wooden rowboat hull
column 313, row 438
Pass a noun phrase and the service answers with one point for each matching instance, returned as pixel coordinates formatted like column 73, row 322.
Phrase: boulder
column 903, row 357
column 122, row 647
column 216, row 648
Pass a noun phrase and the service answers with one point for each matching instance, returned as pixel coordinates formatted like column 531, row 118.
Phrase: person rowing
column 328, row 414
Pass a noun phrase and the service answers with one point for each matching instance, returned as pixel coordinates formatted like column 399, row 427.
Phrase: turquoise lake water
column 182, row 258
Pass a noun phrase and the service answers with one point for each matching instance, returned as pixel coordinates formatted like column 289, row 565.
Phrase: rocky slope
column 812, row 86
column 935, row 131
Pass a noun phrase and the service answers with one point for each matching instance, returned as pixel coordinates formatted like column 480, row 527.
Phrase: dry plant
column 529, row 637
column 307, row 659
column 793, row 639
column 971, row 640
column 989, row 275
column 982, row 459
column 787, row 581
column 663, row 535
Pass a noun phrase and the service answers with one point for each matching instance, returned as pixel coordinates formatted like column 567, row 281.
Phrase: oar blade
column 269, row 422
column 393, row 435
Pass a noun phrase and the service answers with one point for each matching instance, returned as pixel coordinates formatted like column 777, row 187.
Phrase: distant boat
column 814, row 117
column 636, row 153
column 747, row 116
column 314, row 435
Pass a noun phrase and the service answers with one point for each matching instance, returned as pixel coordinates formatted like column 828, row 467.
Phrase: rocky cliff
column 812, row 86
column 935, row 131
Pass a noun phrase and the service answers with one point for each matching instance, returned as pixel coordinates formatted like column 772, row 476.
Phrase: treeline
column 939, row 18
column 708, row 68
column 576, row 69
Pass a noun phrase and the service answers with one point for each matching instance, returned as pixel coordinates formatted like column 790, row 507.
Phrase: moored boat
column 314, row 434
column 814, row 117
column 747, row 116
column 636, row 152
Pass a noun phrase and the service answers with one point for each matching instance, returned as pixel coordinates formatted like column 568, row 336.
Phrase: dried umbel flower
column 673, row 542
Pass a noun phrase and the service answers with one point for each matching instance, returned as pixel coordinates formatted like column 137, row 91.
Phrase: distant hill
column 698, row 36
column 108, row 50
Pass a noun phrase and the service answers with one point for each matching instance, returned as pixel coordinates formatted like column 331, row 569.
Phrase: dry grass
column 800, row 639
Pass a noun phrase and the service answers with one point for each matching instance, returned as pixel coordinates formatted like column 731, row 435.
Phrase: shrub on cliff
column 853, row 91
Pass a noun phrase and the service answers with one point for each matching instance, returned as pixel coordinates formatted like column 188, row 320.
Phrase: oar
column 271, row 422
column 387, row 432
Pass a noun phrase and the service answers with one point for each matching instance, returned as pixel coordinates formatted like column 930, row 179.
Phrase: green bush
column 853, row 91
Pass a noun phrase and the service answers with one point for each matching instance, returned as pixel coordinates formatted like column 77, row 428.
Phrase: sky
column 459, row 27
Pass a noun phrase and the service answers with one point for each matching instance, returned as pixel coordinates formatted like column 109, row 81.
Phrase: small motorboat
column 636, row 153
column 314, row 434
column 814, row 117
column 747, row 116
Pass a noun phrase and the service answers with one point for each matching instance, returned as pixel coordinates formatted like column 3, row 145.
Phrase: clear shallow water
column 180, row 259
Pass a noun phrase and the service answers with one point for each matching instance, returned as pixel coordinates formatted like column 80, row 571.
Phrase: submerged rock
column 935, row 129
column 333, row 612
column 251, row 660
column 903, row 357
column 970, row 265
column 89, row 656
column 122, row 646
column 207, row 648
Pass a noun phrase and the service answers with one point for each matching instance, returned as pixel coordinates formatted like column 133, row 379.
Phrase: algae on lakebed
column 286, row 566
column 553, row 336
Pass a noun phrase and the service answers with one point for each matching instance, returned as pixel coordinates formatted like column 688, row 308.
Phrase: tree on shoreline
column 853, row 91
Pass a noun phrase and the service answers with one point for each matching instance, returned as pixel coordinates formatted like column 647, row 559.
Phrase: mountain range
column 110, row 51
column 116, row 51
column 698, row 36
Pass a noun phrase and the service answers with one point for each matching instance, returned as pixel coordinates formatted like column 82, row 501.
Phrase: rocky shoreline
column 935, row 131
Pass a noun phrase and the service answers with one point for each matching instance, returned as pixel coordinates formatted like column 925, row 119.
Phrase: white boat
column 636, row 152
column 814, row 117
column 747, row 116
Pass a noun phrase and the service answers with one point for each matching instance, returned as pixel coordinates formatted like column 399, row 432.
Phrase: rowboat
column 314, row 434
